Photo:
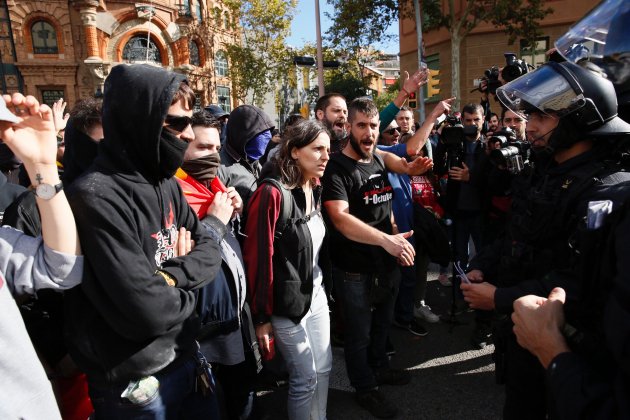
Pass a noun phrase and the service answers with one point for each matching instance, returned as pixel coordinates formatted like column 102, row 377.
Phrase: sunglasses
column 178, row 123
column 391, row 131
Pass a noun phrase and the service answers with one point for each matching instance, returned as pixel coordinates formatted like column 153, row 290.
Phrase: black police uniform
column 545, row 218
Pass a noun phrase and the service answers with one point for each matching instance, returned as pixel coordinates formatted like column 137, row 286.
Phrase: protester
column 249, row 131
column 288, row 289
column 27, row 265
column 365, row 249
column 227, row 336
column 131, row 326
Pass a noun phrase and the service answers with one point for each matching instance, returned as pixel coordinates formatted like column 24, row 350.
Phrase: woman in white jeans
column 288, row 269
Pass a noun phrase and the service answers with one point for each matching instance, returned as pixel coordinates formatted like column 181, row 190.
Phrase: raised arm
column 410, row 84
column 33, row 140
column 420, row 137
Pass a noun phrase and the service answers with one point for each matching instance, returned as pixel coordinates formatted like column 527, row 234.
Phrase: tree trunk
column 455, row 44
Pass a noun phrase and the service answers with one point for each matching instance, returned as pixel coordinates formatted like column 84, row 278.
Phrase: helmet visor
column 589, row 39
column 544, row 90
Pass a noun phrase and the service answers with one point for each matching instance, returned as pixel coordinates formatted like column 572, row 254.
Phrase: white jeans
column 306, row 349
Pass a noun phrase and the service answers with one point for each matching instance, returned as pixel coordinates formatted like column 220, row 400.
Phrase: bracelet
column 170, row 280
column 405, row 90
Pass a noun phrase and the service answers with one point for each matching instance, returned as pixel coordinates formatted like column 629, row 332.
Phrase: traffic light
column 413, row 102
column 433, row 83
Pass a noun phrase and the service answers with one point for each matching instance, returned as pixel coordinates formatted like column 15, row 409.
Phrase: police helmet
column 603, row 38
column 581, row 98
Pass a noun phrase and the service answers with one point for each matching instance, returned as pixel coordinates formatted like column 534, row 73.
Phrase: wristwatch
column 47, row 191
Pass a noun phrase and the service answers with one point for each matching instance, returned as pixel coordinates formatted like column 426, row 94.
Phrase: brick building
column 65, row 48
column 483, row 47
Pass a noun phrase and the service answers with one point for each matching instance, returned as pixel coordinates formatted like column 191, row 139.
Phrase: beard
column 333, row 127
column 356, row 146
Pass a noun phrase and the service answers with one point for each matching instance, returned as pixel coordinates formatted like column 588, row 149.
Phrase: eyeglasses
column 391, row 131
column 178, row 122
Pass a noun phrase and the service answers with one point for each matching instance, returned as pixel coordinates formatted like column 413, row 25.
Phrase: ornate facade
column 66, row 48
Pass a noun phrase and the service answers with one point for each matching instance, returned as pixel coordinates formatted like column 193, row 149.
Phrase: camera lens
column 510, row 73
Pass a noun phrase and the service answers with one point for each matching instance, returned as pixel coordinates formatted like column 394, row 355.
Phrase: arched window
column 137, row 48
column 44, row 38
column 221, row 64
column 226, row 20
column 193, row 50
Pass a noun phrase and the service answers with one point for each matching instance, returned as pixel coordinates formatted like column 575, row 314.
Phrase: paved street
column 450, row 380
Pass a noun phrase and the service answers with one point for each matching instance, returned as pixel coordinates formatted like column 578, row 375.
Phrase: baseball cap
column 216, row 111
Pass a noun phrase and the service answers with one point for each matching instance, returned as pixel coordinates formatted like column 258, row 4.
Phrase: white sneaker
column 423, row 311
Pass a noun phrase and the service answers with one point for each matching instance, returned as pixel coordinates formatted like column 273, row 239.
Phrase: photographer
column 515, row 122
column 458, row 153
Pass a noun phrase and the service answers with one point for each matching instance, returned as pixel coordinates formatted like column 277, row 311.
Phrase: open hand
column 33, row 138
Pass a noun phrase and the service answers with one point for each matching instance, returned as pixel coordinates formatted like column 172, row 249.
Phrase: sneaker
column 444, row 280
column 413, row 327
column 389, row 348
column 376, row 403
column 423, row 311
column 389, row 376
column 481, row 337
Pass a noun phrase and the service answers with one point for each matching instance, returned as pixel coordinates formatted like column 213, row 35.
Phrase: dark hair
column 492, row 114
column 405, row 108
column 186, row 93
column 205, row 119
column 472, row 108
column 292, row 119
column 363, row 105
column 299, row 135
column 323, row 102
column 86, row 114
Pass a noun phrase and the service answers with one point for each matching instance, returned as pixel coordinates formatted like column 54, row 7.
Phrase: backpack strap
column 285, row 204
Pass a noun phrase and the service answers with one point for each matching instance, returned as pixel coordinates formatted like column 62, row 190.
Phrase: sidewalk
column 450, row 380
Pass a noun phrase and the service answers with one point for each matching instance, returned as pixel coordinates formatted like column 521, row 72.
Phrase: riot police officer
column 584, row 348
column 572, row 122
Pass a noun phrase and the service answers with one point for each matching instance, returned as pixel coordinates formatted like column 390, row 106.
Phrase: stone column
column 95, row 64
column 88, row 18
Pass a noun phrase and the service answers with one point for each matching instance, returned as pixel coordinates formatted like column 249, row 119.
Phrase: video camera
column 512, row 155
column 453, row 136
column 514, row 68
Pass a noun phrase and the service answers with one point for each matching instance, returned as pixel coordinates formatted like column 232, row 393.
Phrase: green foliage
column 263, row 57
column 358, row 23
column 385, row 98
column 347, row 84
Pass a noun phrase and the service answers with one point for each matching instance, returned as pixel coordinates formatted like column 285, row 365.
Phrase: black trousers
column 525, row 395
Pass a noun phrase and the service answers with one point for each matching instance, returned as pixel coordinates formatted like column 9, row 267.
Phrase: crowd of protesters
column 156, row 257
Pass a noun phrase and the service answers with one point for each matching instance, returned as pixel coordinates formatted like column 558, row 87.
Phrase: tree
column 262, row 58
column 357, row 23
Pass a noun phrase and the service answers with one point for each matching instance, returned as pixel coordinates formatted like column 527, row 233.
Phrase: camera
column 453, row 136
column 511, row 155
column 514, row 68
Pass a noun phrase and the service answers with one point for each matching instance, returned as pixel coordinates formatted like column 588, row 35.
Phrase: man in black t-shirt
column 365, row 244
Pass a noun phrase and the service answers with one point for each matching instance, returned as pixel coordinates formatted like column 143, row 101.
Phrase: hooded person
column 249, row 132
column 131, row 326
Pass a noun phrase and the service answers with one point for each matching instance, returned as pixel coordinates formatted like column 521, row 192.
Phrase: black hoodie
column 124, row 322
column 80, row 152
column 245, row 123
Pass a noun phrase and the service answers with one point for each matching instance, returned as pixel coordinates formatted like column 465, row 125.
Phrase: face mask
column 255, row 148
column 172, row 152
column 204, row 168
